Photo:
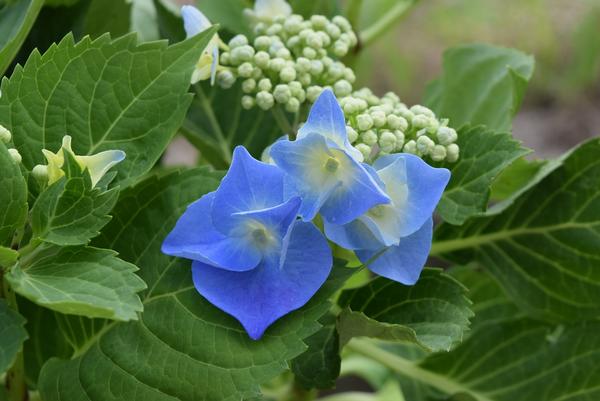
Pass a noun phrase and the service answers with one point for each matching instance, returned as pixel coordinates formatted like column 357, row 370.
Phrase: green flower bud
column 274, row 29
column 315, row 41
column 333, row 31
column 410, row 147
column 369, row 137
column 309, row 52
column 5, row 135
column 350, row 107
column 313, row 92
column 446, row 135
column 242, row 54
column 364, row 149
column 420, row 121
column 387, row 141
column 293, row 105
column 396, row 122
column 225, row 58
column 425, row 144
column 245, row 70
column 293, row 24
column 324, row 38
column 257, row 73
column 342, row 23
column 282, row 93
column 265, row 85
column 260, row 28
column 318, row 21
column 40, row 173
column 399, row 139
column 335, row 71
column 316, row 67
column 225, row 79
column 276, row 64
column 262, row 42
column 264, row 100
column 422, row 110
column 303, row 64
column 364, row 122
column 237, row 41
column 391, row 96
column 284, row 53
column 248, row 85
column 305, row 79
column 349, row 75
column 452, row 152
column 438, row 153
column 275, row 47
column 342, row 88
column 327, row 62
column 352, row 134
column 379, row 118
column 287, row 74
column 293, row 42
column 16, row 156
column 248, row 102
column 261, row 59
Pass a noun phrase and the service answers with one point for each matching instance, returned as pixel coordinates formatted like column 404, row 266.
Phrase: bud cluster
column 289, row 61
column 378, row 126
column 5, row 137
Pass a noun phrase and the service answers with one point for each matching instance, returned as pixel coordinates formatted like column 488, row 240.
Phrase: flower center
column 377, row 211
column 332, row 165
column 260, row 237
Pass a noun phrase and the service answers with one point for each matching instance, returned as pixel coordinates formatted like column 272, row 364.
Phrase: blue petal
column 194, row 237
column 403, row 262
column 194, row 21
column 354, row 235
column 259, row 297
column 248, row 185
column 340, row 195
column 326, row 118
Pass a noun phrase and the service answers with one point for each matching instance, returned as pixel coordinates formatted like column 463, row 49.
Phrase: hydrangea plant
column 326, row 231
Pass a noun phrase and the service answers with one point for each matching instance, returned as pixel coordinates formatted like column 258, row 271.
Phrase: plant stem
column 282, row 121
column 409, row 369
column 15, row 377
column 353, row 11
column 386, row 21
column 223, row 143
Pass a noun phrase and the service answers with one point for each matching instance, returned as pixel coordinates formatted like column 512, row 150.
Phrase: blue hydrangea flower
column 398, row 233
column 194, row 22
column 325, row 170
column 248, row 248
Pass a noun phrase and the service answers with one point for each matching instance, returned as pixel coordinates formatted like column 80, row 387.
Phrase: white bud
column 303, row 64
column 282, row 93
column 369, row 137
column 340, row 48
column 242, row 53
column 387, row 141
column 293, row 105
column 305, row 79
column 276, row 64
column 425, row 144
column 248, row 102
column 327, row 62
column 315, row 41
column 313, row 92
column 261, row 59
column 350, row 107
column 287, row 74
column 410, row 147
column 349, row 75
column 316, row 67
column 40, row 173
column 438, row 153
column 262, row 42
column 265, row 85
column 333, row 31
column 245, row 70
column 364, row 149
column 452, row 152
column 284, row 53
column 399, row 139
column 260, row 28
column 257, row 73
column 391, row 96
column 379, row 118
column 5, row 135
column 324, row 38
column 264, row 100
column 364, row 122
column 319, row 21
column 396, row 122
column 446, row 135
column 274, row 29
column 293, row 24
column 335, row 71
column 420, row 121
column 293, row 42
column 225, row 58
column 342, row 88
column 16, row 156
column 297, row 91
column 225, row 79
column 276, row 45
column 422, row 110
column 309, row 52
column 342, row 23
column 352, row 134
column 248, row 85
column 237, row 41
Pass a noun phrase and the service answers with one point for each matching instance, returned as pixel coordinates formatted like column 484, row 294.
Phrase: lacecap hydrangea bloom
column 256, row 253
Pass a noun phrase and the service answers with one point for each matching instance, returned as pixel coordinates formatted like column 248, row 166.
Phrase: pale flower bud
column 225, row 79
column 245, row 70
column 313, row 92
column 262, row 42
column 5, row 135
column 446, row 135
column 261, row 59
column 364, row 149
column 248, row 102
column 425, row 144
column 387, row 141
column 265, row 100
column 369, row 137
column 342, row 88
column 265, row 85
column 282, row 93
column 248, row 85
column 452, row 152
column 379, row 118
column 16, row 156
column 364, row 122
column 396, row 122
column 293, row 105
column 40, row 172
column 237, row 41
column 410, row 147
column 438, row 153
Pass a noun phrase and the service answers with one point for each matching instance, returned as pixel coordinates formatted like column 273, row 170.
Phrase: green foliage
column 106, row 94
column 79, row 280
column 545, row 244
column 13, row 197
column 484, row 154
column 227, row 13
column 481, row 84
column 514, row 178
column 112, row 16
column 434, row 313
column 16, row 19
column 70, row 211
column 12, row 335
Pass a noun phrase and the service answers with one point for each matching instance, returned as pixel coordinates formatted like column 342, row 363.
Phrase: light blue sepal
column 194, row 21
column 403, row 262
column 326, row 118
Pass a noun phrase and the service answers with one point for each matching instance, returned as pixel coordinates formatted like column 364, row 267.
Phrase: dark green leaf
column 112, row 16
column 227, row 13
column 484, row 154
column 196, row 351
column 105, row 94
column 13, row 197
column 514, row 178
column 542, row 248
column 16, row 19
column 79, row 280
column 12, row 335
column 434, row 313
column 8, row 256
column 170, row 26
column 481, row 84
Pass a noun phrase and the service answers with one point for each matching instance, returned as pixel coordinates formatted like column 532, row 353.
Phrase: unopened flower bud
column 349, row 75
column 387, row 141
column 340, row 49
column 369, row 137
column 309, row 52
column 287, row 74
column 396, row 122
column 352, row 134
column 225, row 58
column 237, row 41
column 261, row 59
column 265, row 85
column 5, row 135
column 284, row 53
column 248, row 85
column 274, row 29
column 438, row 153
column 410, row 147
column 40, row 173
column 262, row 42
column 16, row 156
column 264, row 100
column 248, row 102
column 342, row 88
column 316, row 67
column 318, row 21
column 425, row 144
column 342, row 23
column 282, row 93
column 446, row 135
column 399, row 139
column 303, row 64
column 225, row 79
column 333, row 31
column 422, row 110
column 379, row 118
column 452, row 152
column 242, row 54
column 420, row 121
column 245, row 70
column 276, row 64
column 293, row 105
column 364, row 122
column 364, row 149
column 313, row 92
column 305, row 79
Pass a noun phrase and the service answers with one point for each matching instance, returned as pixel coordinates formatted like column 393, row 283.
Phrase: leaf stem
column 16, row 387
column 223, row 143
column 386, row 21
column 282, row 121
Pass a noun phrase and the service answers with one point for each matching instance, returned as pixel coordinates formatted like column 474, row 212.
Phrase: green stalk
column 282, row 120
column 386, row 21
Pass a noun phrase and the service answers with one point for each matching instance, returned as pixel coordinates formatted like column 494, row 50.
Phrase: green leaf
column 80, row 280
column 106, row 94
column 70, row 211
column 227, row 13
column 319, row 365
column 112, row 16
column 484, row 154
column 544, row 246
column 170, row 25
column 12, row 335
column 16, row 19
column 434, row 313
column 196, row 351
column 13, row 197
column 481, row 84
column 514, row 178
column 8, row 256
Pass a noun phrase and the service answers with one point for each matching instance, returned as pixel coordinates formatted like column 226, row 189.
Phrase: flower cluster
column 380, row 126
column 6, row 137
column 256, row 253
